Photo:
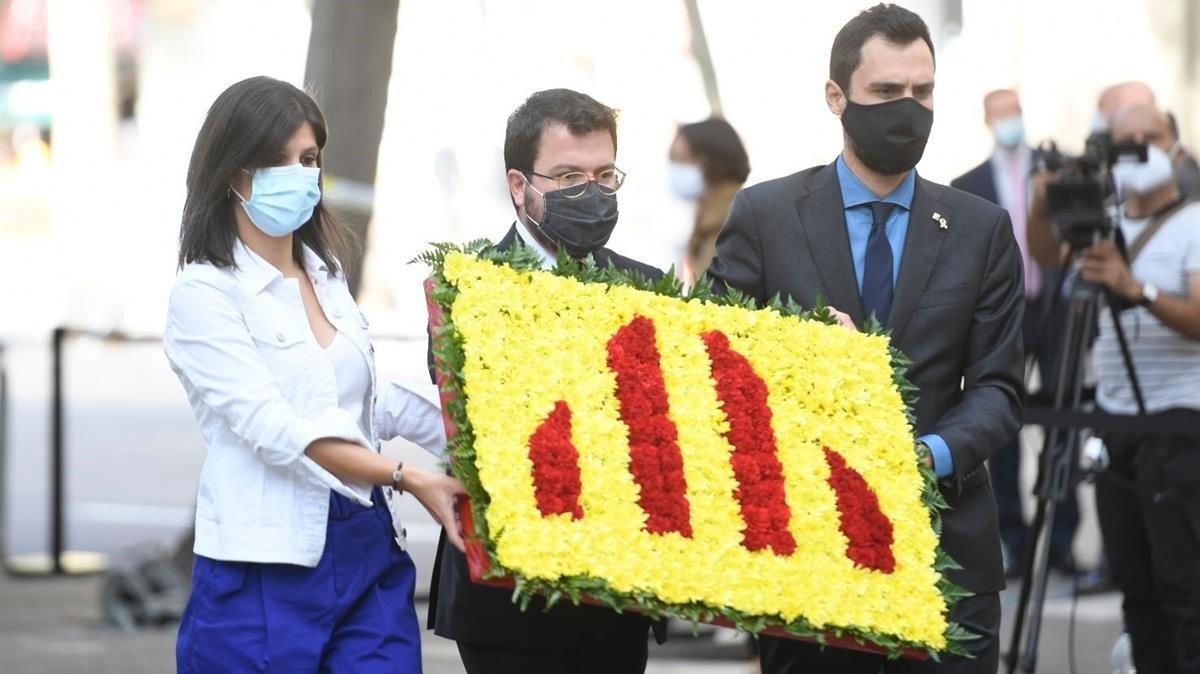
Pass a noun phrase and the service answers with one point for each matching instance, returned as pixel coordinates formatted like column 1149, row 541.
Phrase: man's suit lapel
column 508, row 240
column 921, row 250
column 823, row 221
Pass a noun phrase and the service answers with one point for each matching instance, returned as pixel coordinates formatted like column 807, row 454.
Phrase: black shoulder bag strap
column 1152, row 228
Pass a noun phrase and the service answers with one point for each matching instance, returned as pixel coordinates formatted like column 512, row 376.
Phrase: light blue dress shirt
column 856, row 200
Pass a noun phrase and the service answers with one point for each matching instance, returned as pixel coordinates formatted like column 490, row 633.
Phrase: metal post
column 56, row 453
column 704, row 59
column 3, row 458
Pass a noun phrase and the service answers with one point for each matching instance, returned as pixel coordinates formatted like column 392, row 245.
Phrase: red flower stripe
column 655, row 460
column 756, row 466
column 556, row 483
column 862, row 521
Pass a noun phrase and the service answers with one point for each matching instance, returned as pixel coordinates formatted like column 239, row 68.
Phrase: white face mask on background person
column 686, row 180
column 282, row 198
column 1009, row 132
column 1144, row 177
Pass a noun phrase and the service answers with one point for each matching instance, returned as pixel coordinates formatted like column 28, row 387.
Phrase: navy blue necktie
column 877, row 272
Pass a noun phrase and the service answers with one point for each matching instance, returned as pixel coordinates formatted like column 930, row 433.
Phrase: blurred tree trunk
column 704, row 59
column 349, row 66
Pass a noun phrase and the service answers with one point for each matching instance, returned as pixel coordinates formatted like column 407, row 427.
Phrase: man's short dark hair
column 893, row 22
column 580, row 113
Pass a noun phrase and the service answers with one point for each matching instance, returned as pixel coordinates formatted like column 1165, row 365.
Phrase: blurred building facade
column 121, row 87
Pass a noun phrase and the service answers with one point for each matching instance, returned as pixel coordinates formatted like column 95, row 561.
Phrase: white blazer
column 262, row 391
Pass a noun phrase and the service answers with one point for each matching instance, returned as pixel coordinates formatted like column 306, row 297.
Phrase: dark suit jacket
column 477, row 614
column 957, row 314
column 979, row 181
column 1040, row 326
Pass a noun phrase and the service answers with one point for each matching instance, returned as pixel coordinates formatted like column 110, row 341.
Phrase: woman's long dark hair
column 249, row 126
column 722, row 156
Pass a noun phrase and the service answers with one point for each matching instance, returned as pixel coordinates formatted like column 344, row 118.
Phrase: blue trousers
column 352, row 613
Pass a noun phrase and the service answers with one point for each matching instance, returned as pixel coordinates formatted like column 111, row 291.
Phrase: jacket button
column 337, row 313
column 279, row 337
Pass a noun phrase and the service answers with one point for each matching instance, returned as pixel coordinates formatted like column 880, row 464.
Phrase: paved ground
column 54, row 626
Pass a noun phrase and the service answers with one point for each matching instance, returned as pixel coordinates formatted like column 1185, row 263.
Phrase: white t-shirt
column 1167, row 363
column 353, row 379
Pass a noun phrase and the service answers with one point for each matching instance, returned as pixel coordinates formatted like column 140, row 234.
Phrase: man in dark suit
column 936, row 266
column 1004, row 179
column 560, row 151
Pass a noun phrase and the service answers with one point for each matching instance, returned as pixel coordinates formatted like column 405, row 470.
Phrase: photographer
column 1149, row 501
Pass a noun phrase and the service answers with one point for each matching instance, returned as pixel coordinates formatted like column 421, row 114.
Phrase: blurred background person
column 1117, row 97
column 1046, row 249
column 1048, row 252
column 1126, row 94
column 1149, row 500
column 1004, row 179
column 708, row 165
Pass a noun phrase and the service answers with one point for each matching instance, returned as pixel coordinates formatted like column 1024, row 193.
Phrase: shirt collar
column 549, row 260
column 313, row 262
column 855, row 193
column 1023, row 154
column 255, row 273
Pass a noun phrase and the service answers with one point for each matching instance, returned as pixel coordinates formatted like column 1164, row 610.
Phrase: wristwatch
column 398, row 479
column 1149, row 294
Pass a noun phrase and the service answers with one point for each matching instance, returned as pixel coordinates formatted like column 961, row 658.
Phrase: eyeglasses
column 573, row 184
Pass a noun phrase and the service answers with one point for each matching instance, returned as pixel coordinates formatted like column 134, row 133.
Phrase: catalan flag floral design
column 688, row 454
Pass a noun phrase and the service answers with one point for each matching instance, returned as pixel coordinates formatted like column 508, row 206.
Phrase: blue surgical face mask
column 686, row 180
column 282, row 198
column 1009, row 132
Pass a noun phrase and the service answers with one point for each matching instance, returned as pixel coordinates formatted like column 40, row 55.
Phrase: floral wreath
column 683, row 453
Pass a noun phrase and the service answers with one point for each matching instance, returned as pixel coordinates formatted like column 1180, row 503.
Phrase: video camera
column 1081, row 196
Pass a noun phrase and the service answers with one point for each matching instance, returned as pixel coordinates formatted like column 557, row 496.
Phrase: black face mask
column 580, row 225
column 888, row 137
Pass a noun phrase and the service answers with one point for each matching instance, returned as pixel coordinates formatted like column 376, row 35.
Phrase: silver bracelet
column 398, row 478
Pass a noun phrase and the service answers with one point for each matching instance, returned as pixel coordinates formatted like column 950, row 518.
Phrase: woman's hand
column 437, row 492
column 434, row 490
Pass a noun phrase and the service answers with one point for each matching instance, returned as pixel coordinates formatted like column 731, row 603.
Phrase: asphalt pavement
column 55, row 626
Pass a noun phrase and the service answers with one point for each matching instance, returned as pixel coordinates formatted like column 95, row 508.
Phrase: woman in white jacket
column 299, row 566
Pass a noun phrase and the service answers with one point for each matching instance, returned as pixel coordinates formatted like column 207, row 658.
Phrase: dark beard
column 876, row 164
column 530, row 198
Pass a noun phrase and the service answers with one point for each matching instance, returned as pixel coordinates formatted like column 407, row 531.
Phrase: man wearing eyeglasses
column 560, row 152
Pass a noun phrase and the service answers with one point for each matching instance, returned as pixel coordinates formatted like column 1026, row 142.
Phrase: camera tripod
column 1055, row 481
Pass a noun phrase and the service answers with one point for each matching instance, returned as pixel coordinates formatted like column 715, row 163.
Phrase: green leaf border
column 450, row 358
